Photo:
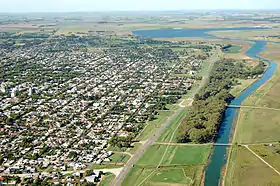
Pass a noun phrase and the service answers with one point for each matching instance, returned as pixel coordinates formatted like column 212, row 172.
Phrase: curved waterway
column 219, row 155
column 219, row 158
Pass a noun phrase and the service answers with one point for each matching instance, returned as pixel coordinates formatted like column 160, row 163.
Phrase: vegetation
column 175, row 155
column 255, row 127
column 202, row 122
column 107, row 179
column 246, row 169
column 231, row 49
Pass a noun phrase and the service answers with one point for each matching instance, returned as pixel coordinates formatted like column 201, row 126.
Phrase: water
column 172, row 33
column 218, row 158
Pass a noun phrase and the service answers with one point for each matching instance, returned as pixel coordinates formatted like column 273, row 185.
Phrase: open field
column 250, row 34
column 119, row 158
column 176, row 155
column 107, row 179
column 134, row 148
column 181, row 165
column 271, row 154
column 258, row 126
column 246, row 169
column 165, row 176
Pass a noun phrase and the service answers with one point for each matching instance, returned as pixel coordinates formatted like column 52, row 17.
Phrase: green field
column 179, row 176
column 175, row 155
column 246, row 169
column 270, row 154
column 172, row 175
column 233, row 49
column 258, row 126
column 134, row 148
column 119, row 158
column 106, row 181
column 181, row 165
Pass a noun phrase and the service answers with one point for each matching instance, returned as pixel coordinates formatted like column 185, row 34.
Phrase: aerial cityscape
column 139, row 96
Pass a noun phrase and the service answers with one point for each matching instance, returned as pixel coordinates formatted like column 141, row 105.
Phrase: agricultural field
column 258, row 126
column 246, row 169
column 181, row 165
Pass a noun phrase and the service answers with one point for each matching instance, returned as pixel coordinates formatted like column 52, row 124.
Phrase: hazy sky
column 124, row 5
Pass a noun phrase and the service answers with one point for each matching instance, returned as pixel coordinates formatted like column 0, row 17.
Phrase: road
column 151, row 140
column 118, row 180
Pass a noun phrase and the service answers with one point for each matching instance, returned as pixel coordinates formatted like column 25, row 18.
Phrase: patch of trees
column 121, row 141
column 202, row 123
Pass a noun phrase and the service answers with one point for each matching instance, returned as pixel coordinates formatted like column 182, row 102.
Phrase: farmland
column 180, row 165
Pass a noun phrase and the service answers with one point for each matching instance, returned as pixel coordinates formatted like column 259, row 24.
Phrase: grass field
column 107, row 179
column 258, row 125
column 165, row 176
column 246, row 169
column 175, row 155
column 270, row 154
column 134, row 148
column 181, row 165
column 119, row 158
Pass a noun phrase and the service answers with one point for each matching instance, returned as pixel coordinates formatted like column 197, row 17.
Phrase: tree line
column 202, row 123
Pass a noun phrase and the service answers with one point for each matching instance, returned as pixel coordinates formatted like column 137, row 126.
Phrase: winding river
column 219, row 155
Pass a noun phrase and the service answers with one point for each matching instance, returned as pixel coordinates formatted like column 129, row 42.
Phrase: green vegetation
column 232, row 49
column 172, row 175
column 135, row 147
column 107, row 179
column 270, row 153
column 175, row 155
column 181, row 165
column 153, row 125
column 246, row 169
column 119, row 158
column 202, row 123
column 241, row 86
column 167, row 135
column 258, row 125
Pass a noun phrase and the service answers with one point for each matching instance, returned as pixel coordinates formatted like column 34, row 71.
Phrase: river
column 219, row 155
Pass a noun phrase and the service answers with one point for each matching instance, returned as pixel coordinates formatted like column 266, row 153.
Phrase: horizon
column 34, row 6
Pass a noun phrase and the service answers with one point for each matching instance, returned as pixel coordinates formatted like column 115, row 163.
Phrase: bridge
column 252, row 107
column 234, row 106
column 222, row 144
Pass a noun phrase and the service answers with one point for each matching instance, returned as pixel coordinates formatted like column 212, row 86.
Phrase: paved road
column 118, row 180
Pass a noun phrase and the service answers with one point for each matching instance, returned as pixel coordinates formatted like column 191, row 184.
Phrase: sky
column 131, row 5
